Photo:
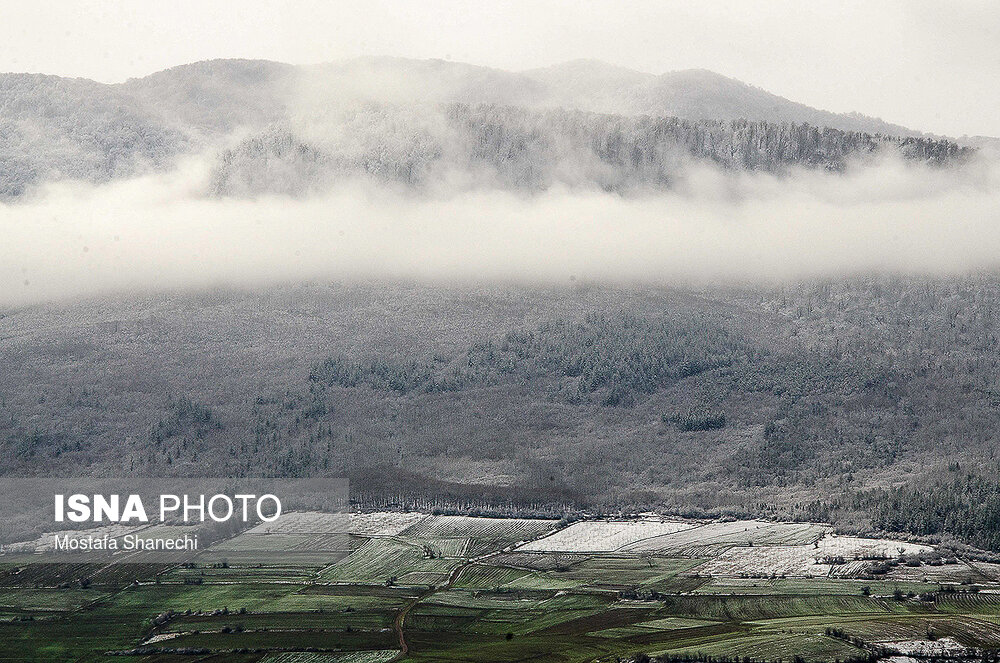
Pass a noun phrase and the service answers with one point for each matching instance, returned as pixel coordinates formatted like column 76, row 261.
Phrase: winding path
column 456, row 573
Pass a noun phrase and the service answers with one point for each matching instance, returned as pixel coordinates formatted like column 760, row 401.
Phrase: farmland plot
column 151, row 600
column 370, row 656
column 754, row 608
column 604, row 535
column 487, row 600
column 538, row 561
column 808, row 587
column 627, row 571
column 853, row 547
column 314, row 550
column 926, row 648
column 945, row 573
column 498, row 530
column 306, row 522
column 766, row 561
column 989, row 569
column 855, row 568
column 47, row 599
column 255, row 573
column 285, row 542
column 380, row 560
column 560, row 604
column 44, row 575
column 544, row 581
column 912, row 628
column 980, row 603
column 778, row 646
column 291, row 639
column 714, row 537
column 440, row 547
column 60, row 574
column 359, row 617
column 384, row 523
column 333, row 598
column 673, row 623
column 482, row 576
column 822, row 558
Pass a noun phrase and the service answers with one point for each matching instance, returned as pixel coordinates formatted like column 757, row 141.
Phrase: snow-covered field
column 853, row 547
column 765, row 561
column 305, row 522
column 923, row 648
column 501, row 529
column 383, row 523
column 733, row 548
column 715, row 537
column 807, row 560
column 604, row 535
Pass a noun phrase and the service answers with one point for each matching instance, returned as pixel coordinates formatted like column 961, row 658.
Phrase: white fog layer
column 164, row 231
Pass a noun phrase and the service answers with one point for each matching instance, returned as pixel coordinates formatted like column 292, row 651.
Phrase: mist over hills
column 490, row 146
column 491, row 345
column 694, row 94
column 55, row 128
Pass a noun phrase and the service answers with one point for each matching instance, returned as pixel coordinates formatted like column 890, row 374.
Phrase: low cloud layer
column 164, row 232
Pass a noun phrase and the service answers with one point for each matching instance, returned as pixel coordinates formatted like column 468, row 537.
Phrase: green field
column 452, row 589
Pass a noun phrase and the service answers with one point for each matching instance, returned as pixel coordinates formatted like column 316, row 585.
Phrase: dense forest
column 535, row 150
column 403, row 120
column 870, row 402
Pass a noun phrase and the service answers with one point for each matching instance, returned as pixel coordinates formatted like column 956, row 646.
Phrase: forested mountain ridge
column 515, row 148
column 55, row 128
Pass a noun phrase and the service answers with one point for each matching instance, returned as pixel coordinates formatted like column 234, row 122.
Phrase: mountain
column 54, row 128
column 586, row 85
column 217, row 96
column 405, row 81
column 693, row 94
column 870, row 402
column 490, row 146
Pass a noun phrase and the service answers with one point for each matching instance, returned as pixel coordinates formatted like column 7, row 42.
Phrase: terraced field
column 386, row 587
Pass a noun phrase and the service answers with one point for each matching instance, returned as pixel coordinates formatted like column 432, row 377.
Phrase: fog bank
column 164, row 232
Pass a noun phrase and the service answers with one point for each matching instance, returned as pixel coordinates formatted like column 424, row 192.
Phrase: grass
column 812, row 586
column 382, row 560
column 484, row 576
column 48, row 599
column 229, row 573
column 150, row 600
column 373, row 656
column 773, row 646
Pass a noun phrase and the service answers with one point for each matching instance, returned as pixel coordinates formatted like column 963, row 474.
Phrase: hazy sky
column 933, row 66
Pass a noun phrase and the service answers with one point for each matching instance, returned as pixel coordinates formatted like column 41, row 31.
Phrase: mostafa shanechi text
column 127, row 543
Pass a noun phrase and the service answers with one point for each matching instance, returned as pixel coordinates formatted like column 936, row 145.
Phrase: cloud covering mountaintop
column 244, row 172
column 55, row 128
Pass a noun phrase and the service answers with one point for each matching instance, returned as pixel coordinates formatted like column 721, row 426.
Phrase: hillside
column 55, row 128
column 492, row 146
column 799, row 401
column 692, row 94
